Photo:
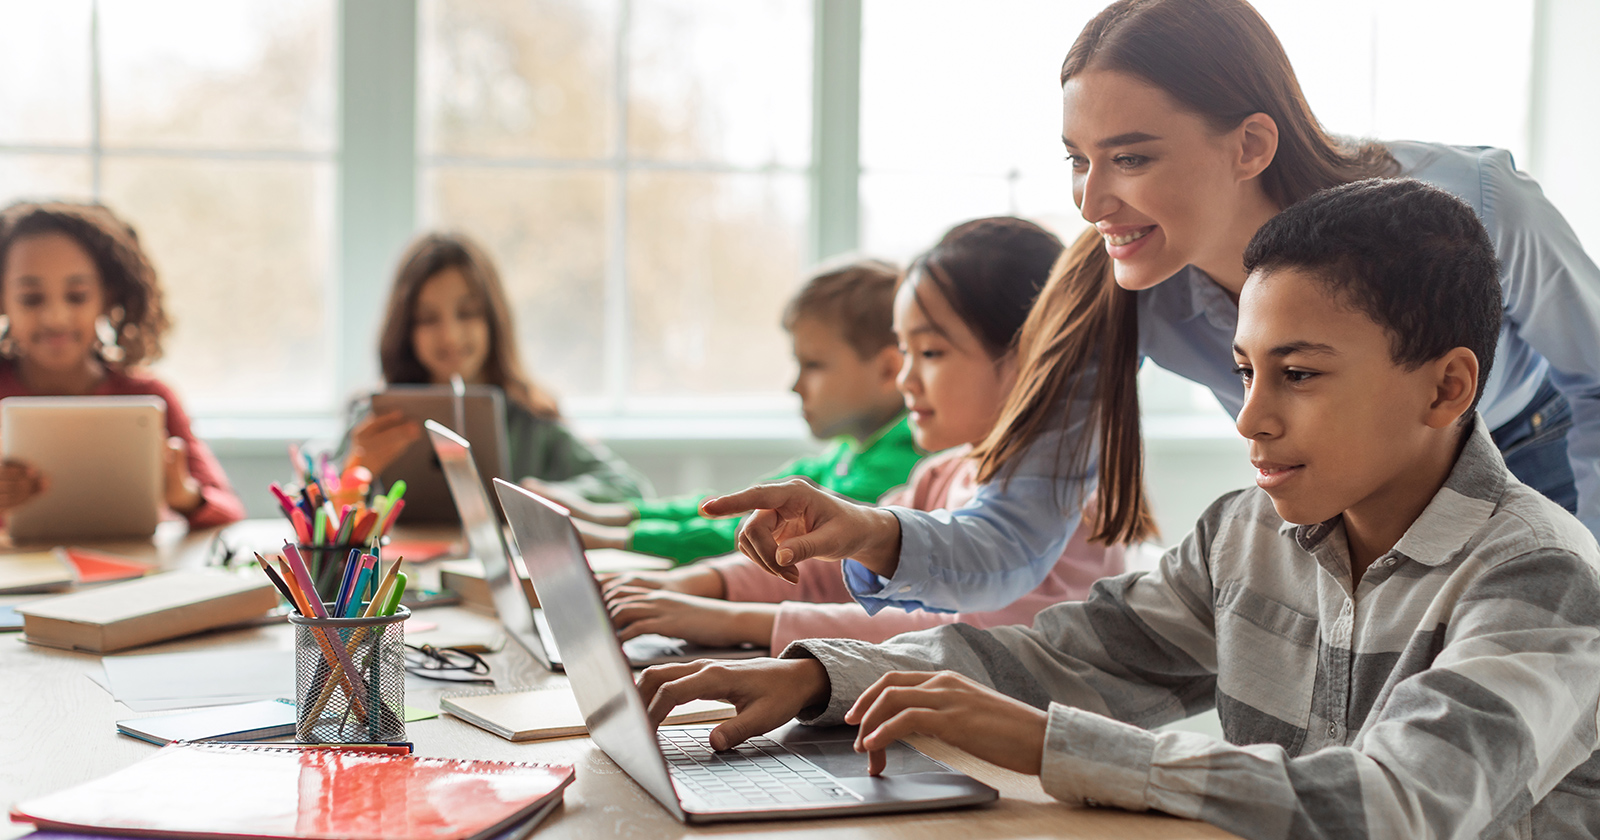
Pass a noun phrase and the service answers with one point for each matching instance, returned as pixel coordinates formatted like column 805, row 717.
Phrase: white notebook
column 528, row 714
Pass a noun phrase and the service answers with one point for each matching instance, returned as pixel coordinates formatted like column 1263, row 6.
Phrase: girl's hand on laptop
column 767, row 693
column 380, row 439
column 182, row 491
column 953, row 708
column 696, row 579
column 702, row 621
column 599, row 513
column 19, row 482
column 796, row 520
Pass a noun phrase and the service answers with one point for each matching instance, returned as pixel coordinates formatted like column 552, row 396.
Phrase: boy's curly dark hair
column 1413, row 258
column 132, row 289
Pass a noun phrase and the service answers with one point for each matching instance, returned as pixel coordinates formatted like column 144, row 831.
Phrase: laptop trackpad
column 841, row 759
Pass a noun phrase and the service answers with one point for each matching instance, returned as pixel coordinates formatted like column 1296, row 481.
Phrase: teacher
column 1186, row 129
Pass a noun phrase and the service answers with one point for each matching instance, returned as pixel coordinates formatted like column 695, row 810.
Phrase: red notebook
column 232, row 790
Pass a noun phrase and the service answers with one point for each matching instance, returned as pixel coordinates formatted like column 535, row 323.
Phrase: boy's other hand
column 796, row 520
column 182, row 491
column 951, row 707
column 696, row 579
column 19, row 482
column 600, row 513
column 379, row 439
column 766, row 693
column 703, row 621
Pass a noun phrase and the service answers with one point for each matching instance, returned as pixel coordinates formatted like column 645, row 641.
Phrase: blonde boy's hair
column 857, row 297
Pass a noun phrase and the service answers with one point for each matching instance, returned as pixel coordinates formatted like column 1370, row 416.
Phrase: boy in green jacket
column 844, row 343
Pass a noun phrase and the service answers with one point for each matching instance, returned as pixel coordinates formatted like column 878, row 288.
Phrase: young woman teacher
column 1186, row 130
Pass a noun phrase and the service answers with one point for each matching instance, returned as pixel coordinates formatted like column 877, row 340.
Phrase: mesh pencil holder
column 350, row 678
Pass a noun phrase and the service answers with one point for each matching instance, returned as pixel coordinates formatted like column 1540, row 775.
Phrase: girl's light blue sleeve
column 997, row 548
column 1552, row 302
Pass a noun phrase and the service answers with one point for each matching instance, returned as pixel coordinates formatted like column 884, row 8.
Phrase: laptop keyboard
column 760, row 773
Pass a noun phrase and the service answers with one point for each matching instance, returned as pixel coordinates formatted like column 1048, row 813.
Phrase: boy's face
column 1334, row 425
column 840, row 392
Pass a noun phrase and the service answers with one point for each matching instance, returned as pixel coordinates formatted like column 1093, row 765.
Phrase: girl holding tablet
column 448, row 316
column 82, row 309
column 1186, row 130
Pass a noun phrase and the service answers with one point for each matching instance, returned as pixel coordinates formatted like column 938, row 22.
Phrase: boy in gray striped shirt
column 1399, row 637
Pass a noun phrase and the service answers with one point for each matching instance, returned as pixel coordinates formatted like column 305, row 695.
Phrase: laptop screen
column 482, row 528
column 571, row 599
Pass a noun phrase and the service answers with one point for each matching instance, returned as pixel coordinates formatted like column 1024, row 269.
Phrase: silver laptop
column 793, row 772
column 103, row 457
column 528, row 625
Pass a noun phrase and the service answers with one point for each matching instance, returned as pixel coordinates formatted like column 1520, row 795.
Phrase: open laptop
column 475, row 412
column 104, row 459
column 529, row 625
column 793, row 772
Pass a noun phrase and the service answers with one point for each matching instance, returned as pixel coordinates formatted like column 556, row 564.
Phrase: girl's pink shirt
column 218, row 503
column 820, row 607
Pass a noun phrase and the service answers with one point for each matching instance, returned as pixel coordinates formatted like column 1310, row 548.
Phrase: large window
column 651, row 175
column 639, row 169
column 210, row 127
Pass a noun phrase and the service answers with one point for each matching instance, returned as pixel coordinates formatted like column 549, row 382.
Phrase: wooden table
column 57, row 728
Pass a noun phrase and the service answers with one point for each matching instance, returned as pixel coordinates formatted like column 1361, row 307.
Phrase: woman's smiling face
column 1160, row 185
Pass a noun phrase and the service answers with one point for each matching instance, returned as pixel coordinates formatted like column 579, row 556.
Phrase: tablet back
column 102, row 457
column 482, row 412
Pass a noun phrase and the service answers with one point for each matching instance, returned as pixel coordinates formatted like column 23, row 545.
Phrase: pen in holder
column 327, row 562
column 350, row 678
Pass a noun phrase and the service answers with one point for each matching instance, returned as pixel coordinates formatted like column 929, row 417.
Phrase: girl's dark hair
column 427, row 256
column 1221, row 61
column 1082, row 319
column 132, row 289
column 990, row 270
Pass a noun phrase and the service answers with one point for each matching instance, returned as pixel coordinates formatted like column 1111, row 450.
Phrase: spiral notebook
column 234, row 790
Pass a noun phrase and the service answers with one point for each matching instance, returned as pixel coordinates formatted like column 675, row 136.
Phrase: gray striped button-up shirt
column 1452, row 693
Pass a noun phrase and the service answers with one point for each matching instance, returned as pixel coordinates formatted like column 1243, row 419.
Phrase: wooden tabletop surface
column 58, row 728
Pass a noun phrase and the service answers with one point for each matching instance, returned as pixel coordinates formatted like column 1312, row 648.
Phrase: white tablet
column 478, row 414
column 102, row 457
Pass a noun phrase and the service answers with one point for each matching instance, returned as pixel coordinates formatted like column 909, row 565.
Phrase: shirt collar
column 1460, row 509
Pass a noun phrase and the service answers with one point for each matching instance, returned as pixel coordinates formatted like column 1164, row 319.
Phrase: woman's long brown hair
column 1217, row 59
column 1082, row 321
column 427, row 256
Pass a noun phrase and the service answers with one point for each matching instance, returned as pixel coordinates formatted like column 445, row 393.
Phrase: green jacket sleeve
column 881, row 467
column 673, row 527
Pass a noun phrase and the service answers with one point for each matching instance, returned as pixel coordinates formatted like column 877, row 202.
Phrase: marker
column 346, row 581
column 395, row 492
column 283, row 498
column 395, row 595
column 302, row 525
column 361, row 584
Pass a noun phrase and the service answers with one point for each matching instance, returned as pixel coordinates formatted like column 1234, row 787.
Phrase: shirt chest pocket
column 1266, row 670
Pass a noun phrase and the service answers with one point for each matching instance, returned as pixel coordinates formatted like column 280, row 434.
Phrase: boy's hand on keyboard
column 19, row 482
column 767, row 693
column 796, row 520
column 703, row 621
column 956, row 710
